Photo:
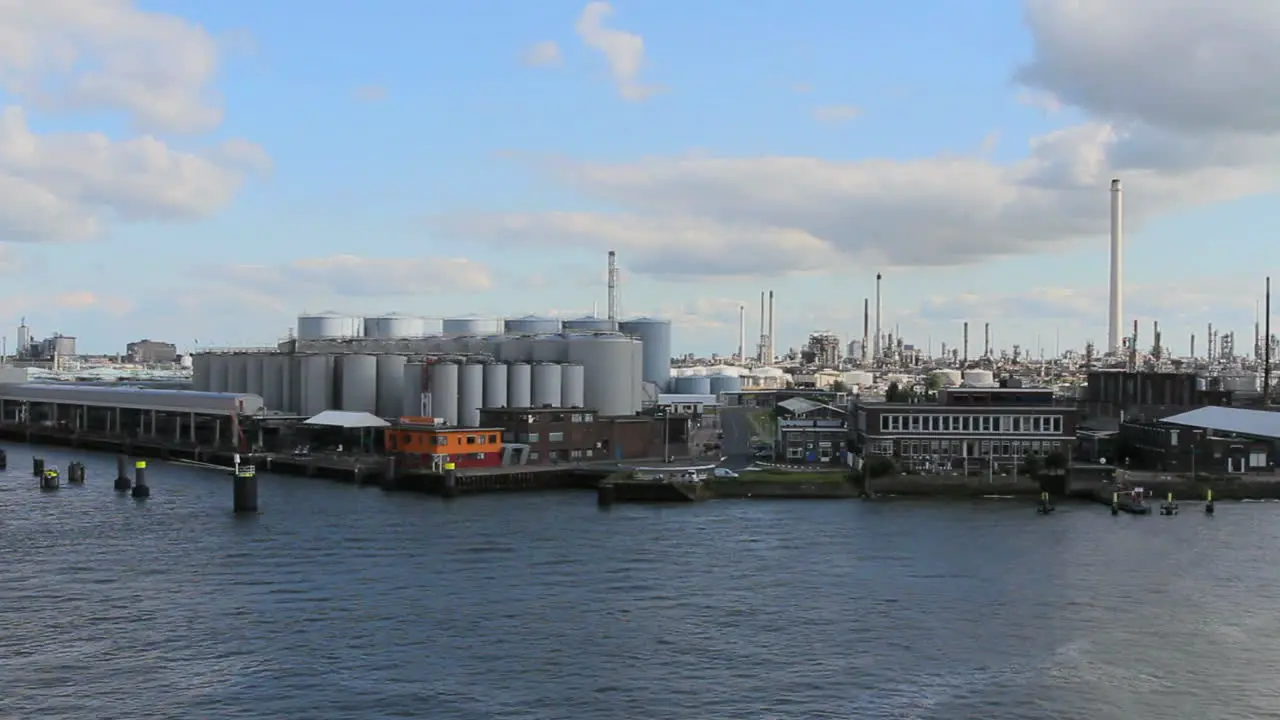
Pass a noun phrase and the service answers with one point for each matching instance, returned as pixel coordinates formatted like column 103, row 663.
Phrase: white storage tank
column 495, row 385
column 391, row 385
column 725, row 384
column 218, row 373
column 415, row 390
column 443, row 387
column 237, row 373
column 573, row 390
column 590, row 324
column 253, row 375
column 550, row 348
column 860, row 378
column 611, row 378
column 947, row 377
column 978, row 378
column 329, row 326
column 470, row 394
column 548, row 385
column 394, row 326
column 314, row 376
column 519, row 385
column 275, row 394
column 656, row 336
column 515, row 349
column 467, row 326
column 358, row 382
column 200, row 372
column 531, row 325
column 638, row 383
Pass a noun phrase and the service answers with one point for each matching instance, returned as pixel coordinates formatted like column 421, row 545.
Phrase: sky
column 202, row 172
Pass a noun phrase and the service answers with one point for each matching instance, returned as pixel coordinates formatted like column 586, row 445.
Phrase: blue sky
column 414, row 157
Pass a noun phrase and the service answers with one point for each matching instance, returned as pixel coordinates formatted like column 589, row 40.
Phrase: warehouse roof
column 346, row 419
column 185, row 401
column 1257, row 423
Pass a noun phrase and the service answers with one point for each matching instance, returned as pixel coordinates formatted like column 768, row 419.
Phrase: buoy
column 1169, row 507
column 1115, row 503
column 37, row 467
column 1044, row 507
column 244, row 488
column 4, row 460
column 50, row 480
column 123, row 481
column 140, row 490
column 1208, row 502
column 75, row 473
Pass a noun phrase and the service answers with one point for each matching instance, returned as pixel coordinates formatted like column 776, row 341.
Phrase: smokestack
column 772, row 350
column 966, row 341
column 613, row 286
column 876, row 345
column 1266, row 357
column 763, row 340
column 742, row 333
column 1117, row 269
column 866, row 327
column 986, row 340
column 1193, row 346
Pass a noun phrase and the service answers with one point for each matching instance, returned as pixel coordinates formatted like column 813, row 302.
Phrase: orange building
column 431, row 445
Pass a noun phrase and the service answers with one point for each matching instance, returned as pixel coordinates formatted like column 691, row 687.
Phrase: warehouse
column 398, row 365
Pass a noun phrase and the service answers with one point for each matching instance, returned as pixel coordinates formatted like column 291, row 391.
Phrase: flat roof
column 184, row 401
column 346, row 419
column 527, row 410
column 1258, row 423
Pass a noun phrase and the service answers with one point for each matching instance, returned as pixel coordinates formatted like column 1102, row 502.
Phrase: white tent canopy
column 346, row 419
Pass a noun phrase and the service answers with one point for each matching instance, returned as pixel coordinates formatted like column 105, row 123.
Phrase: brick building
column 574, row 435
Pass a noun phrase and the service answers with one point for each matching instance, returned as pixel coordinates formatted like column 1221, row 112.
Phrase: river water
column 344, row 602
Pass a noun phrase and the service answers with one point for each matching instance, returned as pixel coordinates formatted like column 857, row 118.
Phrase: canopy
column 345, row 419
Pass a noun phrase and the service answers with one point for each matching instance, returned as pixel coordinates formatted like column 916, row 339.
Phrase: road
column 737, row 427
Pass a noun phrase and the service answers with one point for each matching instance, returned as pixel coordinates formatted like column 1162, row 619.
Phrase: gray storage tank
column 390, row 385
column 358, row 380
column 656, row 336
column 470, row 394
column 200, row 372
column 725, row 384
column 218, row 373
column 693, row 385
column 573, row 392
column 547, row 385
column 415, row 401
column 467, row 326
column 612, row 384
column 314, row 377
column 238, row 373
column 253, row 375
column 519, row 385
column 273, row 387
column 394, row 326
column 329, row 326
column 443, row 386
column 531, row 325
column 590, row 324
column 495, row 385
column 549, row 348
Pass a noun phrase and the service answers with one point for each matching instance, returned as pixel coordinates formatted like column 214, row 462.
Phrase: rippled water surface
column 340, row 602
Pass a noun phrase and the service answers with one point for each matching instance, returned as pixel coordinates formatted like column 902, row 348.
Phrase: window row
column 964, row 448
column 533, row 437
column 1043, row 424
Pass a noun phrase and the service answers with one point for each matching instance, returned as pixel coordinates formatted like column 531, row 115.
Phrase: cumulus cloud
column 622, row 50
column 354, row 276
column 543, row 54
column 1174, row 111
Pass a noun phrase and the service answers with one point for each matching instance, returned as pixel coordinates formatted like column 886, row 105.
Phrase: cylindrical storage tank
column 253, row 374
column 590, row 324
column 548, row 385
column 391, row 385
column 861, row 378
column 273, row 394
column 637, row 382
column 470, row 394
column 612, row 382
column 519, row 385
column 530, row 325
column 200, row 372
column 549, row 348
column 656, row 336
column 515, row 349
column 393, row 326
column 467, row 326
column 314, row 375
column 358, row 380
column 947, row 377
column 573, row 389
column 495, row 385
column 329, row 326
column 694, row 385
column 978, row 378
column 443, row 386
column 237, row 373
column 415, row 386
column 218, row 373
column 725, row 384
column 289, row 399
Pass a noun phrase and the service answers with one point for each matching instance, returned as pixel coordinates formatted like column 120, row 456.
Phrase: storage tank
column 314, row 376
column 200, row 372
column 514, row 349
column 274, row 391
column 467, row 326
column 638, row 384
column 253, row 375
column 519, row 385
column 611, row 380
column 329, row 326
column 548, row 385
column 694, row 385
column 237, row 373
column 443, row 387
column 415, row 387
column 470, row 394
column 550, row 348
column 860, row 378
column 947, row 377
column 590, row 324
column 394, row 326
column 656, row 336
column 218, row 373
column 573, row 389
column 1241, row 382
column 358, row 383
column 978, row 378
column 391, row 385
column 495, row 385
column 725, row 384
column 530, row 325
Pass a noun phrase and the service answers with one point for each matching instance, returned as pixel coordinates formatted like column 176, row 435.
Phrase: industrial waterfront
column 378, row 606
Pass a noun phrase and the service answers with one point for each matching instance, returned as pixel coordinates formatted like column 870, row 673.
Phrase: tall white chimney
column 613, row 286
column 742, row 333
column 1117, row 269
column 763, row 347
column 876, row 345
column 772, row 348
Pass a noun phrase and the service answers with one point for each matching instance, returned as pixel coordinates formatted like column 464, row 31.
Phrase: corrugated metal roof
column 800, row 406
column 1258, row 423
column 184, row 401
column 346, row 419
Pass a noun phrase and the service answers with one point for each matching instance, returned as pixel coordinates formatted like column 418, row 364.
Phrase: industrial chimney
column 772, row 350
column 986, row 340
column 866, row 327
column 1117, row 270
column 966, row 342
column 876, row 346
column 742, row 333
column 613, row 286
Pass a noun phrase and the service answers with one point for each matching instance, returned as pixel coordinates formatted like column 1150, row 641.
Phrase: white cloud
column 542, row 54
column 836, row 113
column 698, row 215
column 622, row 50
column 66, row 186
column 110, row 55
column 353, row 276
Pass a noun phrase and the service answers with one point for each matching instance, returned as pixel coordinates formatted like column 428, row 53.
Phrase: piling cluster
column 244, row 484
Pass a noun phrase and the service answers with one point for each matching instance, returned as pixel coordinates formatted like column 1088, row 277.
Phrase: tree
column 1056, row 460
column 893, row 393
column 839, row 386
column 1031, row 465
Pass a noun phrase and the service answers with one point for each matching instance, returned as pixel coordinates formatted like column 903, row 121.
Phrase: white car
column 725, row 473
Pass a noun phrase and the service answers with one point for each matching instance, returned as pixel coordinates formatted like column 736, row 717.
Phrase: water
column 342, row 602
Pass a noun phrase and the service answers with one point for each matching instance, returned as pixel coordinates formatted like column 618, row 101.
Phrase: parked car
column 725, row 473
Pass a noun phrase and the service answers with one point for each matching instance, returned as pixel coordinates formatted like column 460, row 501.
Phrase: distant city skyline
column 203, row 171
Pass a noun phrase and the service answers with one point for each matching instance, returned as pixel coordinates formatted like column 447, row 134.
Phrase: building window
column 533, row 454
column 555, row 437
column 884, row 423
column 508, row 437
column 493, row 439
column 529, row 437
column 477, row 456
column 441, row 440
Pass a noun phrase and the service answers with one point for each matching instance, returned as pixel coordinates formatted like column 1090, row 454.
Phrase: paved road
column 736, row 424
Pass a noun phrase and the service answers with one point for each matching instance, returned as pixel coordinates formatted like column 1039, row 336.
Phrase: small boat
column 1131, row 501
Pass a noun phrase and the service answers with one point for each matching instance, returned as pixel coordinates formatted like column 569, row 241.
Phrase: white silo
column 391, row 385
column 978, row 378
column 444, row 391
column 519, row 385
column 531, row 325
column 314, row 375
column 515, row 349
column 237, row 373
column 550, row 348
column 495, row 385
column 573, row 392
column 468, row 326
column 358, row 380
column 470, row 394
column 590, row 324
column 656, row 336
column 218, row 373
column 612, row 384
column 415, row 395
column 695, row 385
column 200, row 372
column 393, row 326
column 548, row 385
column 329, row 326
column 947, row 377
column 253, row 375
column 274, row 387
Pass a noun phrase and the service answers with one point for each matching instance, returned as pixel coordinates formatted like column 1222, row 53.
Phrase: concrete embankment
column 1185, row 489
column 959, row 486
column 758, row 486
